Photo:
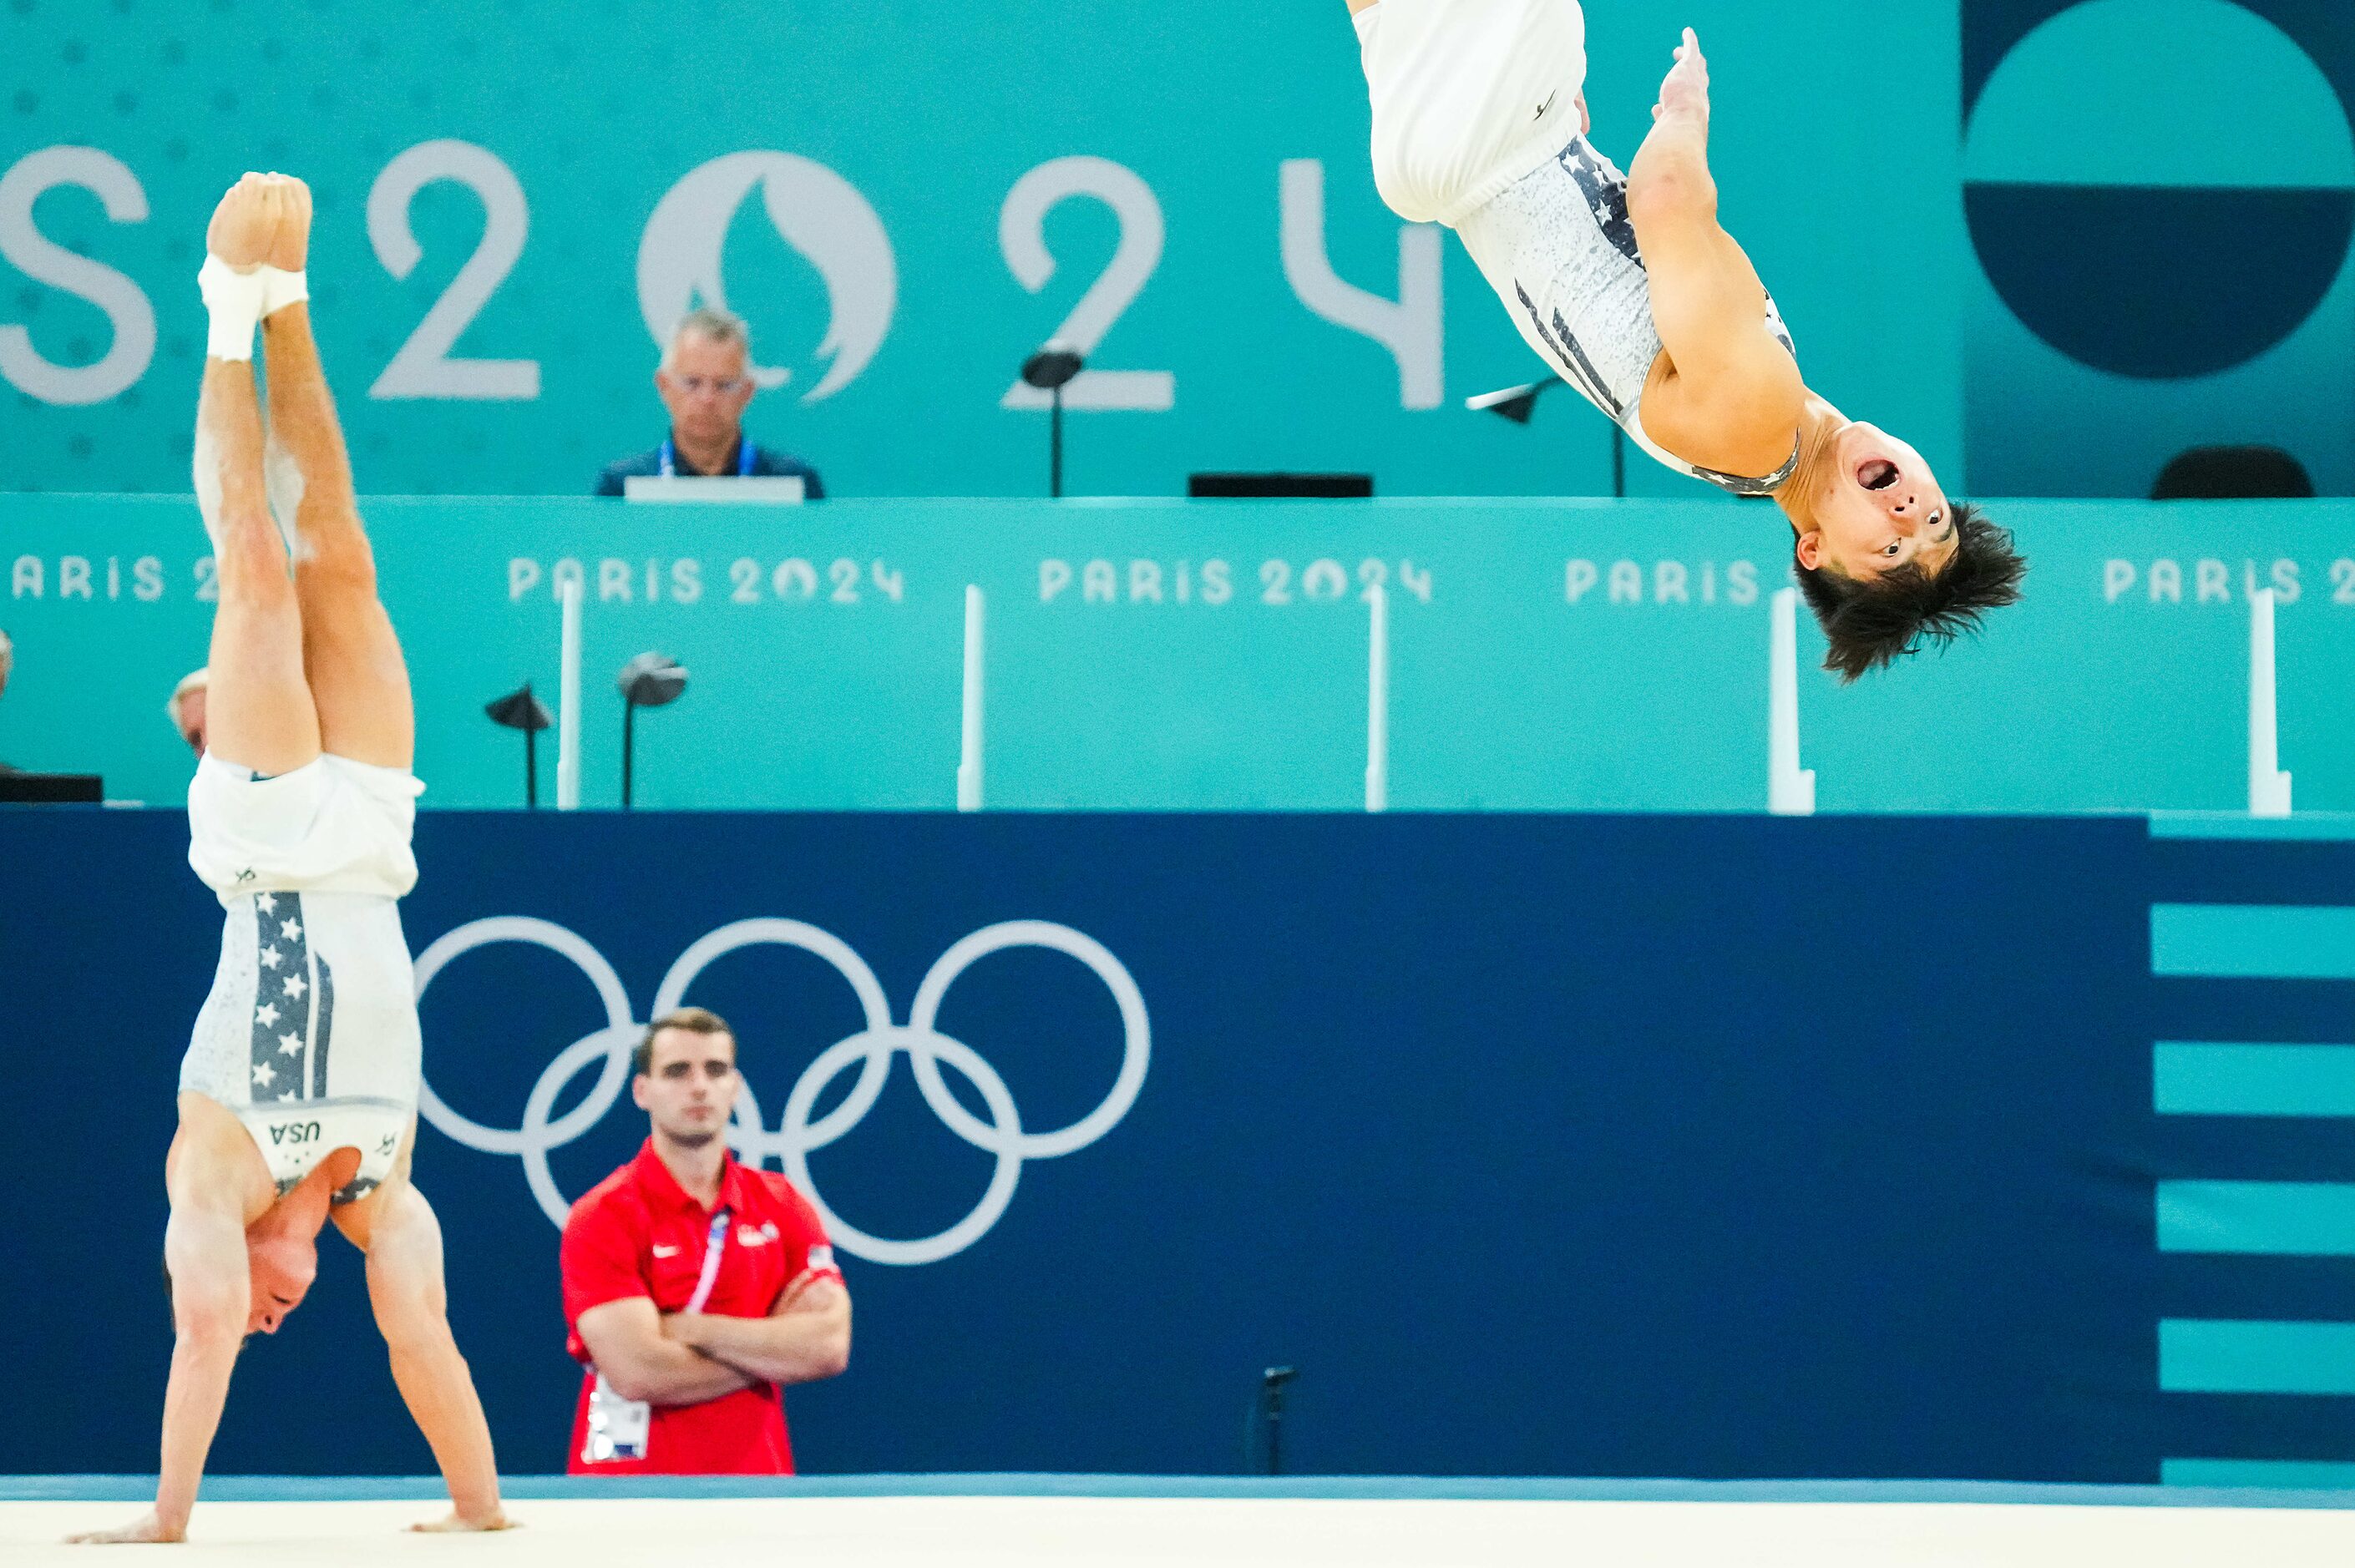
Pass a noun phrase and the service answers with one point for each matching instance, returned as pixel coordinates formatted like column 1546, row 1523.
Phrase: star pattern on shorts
column 294, row 1002
column 1605, row 190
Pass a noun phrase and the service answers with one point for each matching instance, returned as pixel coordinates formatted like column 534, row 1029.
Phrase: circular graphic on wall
column 2160, row 188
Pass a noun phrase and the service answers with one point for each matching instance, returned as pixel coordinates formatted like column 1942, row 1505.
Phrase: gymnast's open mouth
column 1876, row 473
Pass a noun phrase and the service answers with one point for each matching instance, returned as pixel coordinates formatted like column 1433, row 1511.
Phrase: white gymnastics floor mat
column 1038, row 1531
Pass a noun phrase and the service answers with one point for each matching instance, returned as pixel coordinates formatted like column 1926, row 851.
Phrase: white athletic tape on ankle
column 233, row 301
column 280, row 289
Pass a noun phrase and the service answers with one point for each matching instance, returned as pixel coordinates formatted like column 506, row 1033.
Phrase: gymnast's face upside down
column 1870, row 505
column 282, row 1247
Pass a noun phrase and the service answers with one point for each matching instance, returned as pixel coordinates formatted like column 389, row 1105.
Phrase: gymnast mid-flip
column 298, row 1095
column 1628, row 287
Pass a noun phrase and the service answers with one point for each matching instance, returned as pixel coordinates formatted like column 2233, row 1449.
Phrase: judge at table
column 706, row 380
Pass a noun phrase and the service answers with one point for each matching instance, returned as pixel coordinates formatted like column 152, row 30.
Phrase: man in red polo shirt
column 694, row 1286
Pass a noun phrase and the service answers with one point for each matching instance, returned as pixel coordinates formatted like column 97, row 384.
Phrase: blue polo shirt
column 765, row 464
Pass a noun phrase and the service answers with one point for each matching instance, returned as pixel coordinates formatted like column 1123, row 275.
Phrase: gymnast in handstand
column 298, row 1095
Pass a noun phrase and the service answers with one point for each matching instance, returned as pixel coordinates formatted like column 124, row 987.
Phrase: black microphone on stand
column 1271, row 1393
column 521, row 710
column 1051, row 370
column 648, row 681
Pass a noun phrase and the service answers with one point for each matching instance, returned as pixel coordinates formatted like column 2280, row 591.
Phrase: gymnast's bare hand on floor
column 455, row 1523
column 147, row 1531
column 150, row 1530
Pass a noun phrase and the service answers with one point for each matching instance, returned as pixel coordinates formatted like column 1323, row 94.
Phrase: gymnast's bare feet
column 264, row 220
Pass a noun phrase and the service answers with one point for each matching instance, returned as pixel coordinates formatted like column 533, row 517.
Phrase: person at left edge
column 695, row 1284
column 7, row 662
column 706, row 380
column 186, row 708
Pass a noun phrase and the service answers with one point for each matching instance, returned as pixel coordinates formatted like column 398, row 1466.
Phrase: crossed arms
column 688, row 1358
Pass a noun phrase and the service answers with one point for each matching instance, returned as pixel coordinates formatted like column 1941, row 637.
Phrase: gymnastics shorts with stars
column 310, row 1032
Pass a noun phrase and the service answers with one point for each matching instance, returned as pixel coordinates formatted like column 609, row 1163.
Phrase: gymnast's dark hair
column 1872, row 624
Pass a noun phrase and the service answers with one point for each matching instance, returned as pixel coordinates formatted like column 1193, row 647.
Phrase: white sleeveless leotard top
column 1475, row 126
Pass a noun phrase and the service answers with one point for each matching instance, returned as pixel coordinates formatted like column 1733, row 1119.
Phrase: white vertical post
column 1790, row 789
column 567, row 702
column 2268, row 785
column 969, row 756
column 1378, row 700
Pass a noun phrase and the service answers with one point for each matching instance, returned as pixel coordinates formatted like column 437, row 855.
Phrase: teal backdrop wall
column 2052, row 242
column 1545, row 655
column 888, row 191
column 2160, row 195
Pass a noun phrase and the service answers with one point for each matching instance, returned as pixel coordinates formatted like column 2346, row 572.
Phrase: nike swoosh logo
column 1549, row 102
column 666, row 1252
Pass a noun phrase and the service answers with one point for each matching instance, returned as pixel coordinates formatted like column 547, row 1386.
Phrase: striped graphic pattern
column 294, row 1005
column 1576, row 368
column 2279, row 1219
column 2253, row 941
column 2270, row 943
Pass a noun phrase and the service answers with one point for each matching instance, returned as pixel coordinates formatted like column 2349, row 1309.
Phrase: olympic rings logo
column 871, row 1050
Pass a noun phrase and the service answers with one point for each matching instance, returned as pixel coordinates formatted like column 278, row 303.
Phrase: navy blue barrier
column 1712, row 1147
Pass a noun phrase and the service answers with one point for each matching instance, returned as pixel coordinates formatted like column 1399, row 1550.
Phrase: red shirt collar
column 655, row 1180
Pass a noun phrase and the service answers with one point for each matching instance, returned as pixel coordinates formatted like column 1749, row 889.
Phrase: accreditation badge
column 617, row 1426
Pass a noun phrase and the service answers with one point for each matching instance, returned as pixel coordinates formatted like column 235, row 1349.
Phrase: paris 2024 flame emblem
column 816, row 212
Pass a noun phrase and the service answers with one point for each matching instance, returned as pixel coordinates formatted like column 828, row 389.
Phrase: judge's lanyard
column 743, row 459
column 714, row 1244
column 620, row 1430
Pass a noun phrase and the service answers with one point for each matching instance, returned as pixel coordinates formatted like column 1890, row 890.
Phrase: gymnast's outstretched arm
column 1727, row 393
column 398, row 1230
column 217, row 1185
